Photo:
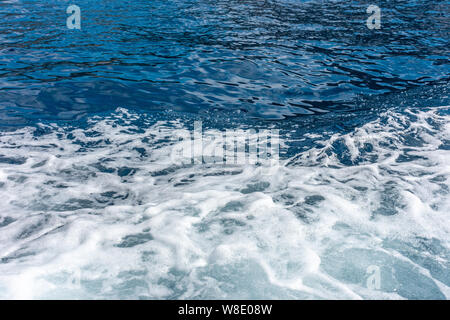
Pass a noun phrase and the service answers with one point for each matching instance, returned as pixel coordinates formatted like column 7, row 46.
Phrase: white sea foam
column 102, row 212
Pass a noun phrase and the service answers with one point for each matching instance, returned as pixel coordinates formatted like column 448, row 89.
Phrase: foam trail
column 102, row 212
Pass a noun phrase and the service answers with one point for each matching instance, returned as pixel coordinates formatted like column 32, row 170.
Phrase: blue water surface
column 86, row 115
column 264, row 59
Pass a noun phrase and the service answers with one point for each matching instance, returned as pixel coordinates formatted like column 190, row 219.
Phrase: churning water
column 93, row 206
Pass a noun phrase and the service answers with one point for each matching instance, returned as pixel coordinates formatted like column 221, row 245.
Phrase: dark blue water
column 266, row 59
column 94, row 208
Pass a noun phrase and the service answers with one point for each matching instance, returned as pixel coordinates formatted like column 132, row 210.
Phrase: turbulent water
column 94, row 206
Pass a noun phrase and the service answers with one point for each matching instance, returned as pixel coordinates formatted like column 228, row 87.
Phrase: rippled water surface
column 94, row 207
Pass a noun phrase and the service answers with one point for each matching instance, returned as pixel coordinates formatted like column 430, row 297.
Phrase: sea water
column 93, row 204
